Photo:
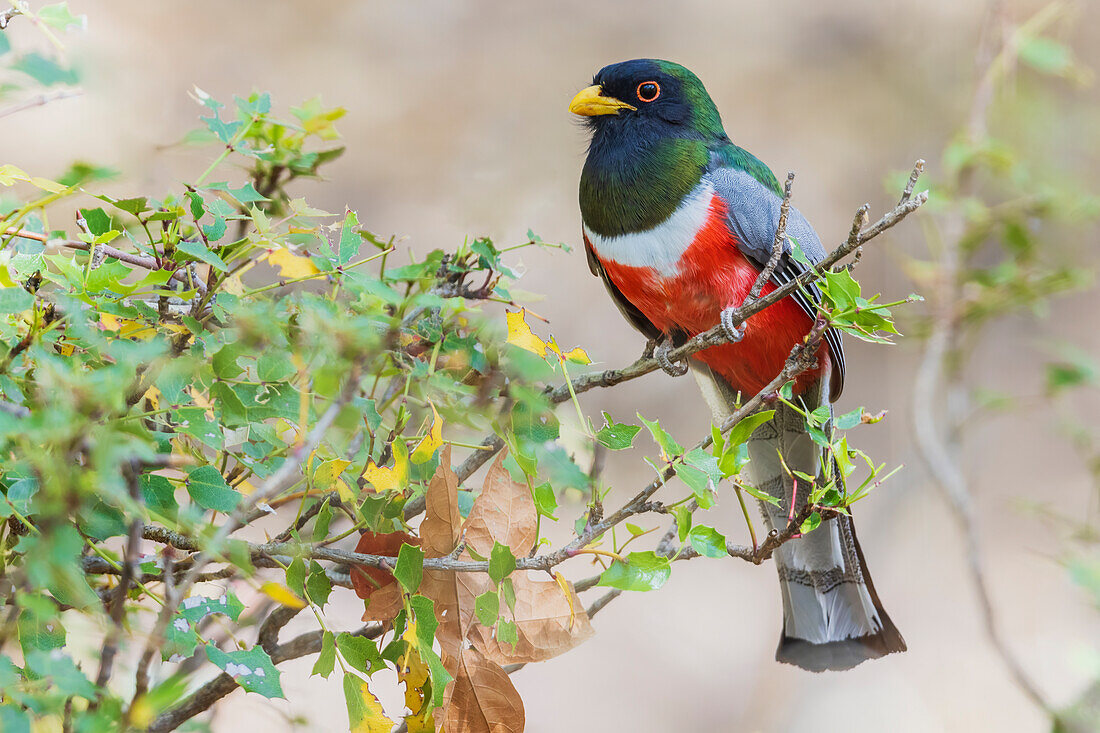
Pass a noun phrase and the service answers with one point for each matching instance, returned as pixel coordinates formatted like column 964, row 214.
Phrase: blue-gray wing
column 753, row 218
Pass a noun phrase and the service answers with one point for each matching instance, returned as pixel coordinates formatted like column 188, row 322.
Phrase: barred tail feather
column 832, row 617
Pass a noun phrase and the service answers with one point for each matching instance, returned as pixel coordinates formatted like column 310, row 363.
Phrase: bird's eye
column 648, row 91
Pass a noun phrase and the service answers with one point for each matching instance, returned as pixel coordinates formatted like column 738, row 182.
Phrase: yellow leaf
column 328, row 473
column 108, row 321
column 519, row 334
column 390, row 479
column 365, row 714
column 290, row 264
column 431, row 442
column 153, row 395
column 142, row 713
column 564, row 585
column 9, row 174
column 280, row 593
column 577, row 356
column 47, row 185
column 414, row 673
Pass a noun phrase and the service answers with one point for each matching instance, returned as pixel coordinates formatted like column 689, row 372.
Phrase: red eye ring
column 653, row 90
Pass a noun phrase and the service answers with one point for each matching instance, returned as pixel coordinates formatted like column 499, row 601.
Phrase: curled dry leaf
column 452, row 593
column 482, row 698
column 375, row 585
column 442, row 525
column 547, row 622
column 504, row 512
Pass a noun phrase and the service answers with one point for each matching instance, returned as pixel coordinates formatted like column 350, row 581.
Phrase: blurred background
column 456, row 126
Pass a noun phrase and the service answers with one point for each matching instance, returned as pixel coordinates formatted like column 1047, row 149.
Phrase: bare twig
column 129, row 569
column 777, row 244
column 40, row 100
column 930, row 384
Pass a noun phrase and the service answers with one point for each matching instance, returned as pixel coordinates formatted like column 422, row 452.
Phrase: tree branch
column 716, row 335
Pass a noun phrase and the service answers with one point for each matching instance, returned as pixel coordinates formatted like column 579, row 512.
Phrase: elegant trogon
column 678, row 223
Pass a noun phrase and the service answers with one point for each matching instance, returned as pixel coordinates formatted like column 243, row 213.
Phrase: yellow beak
column 590, row 102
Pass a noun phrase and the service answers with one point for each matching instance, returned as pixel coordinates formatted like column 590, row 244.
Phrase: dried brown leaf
column 442, row 523
column 547, row 623
column 481, row 699
column 368, row 580
column 454, row 595
column 384, row 604
column 504, row 512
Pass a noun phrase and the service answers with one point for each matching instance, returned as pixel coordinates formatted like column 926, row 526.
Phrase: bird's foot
column 671, row 368
column 732, row 325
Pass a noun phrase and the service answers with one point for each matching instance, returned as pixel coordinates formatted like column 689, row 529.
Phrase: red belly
column 713, row 275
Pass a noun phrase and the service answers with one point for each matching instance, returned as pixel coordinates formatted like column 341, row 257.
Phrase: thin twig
column 777, row 245
column 40, row 100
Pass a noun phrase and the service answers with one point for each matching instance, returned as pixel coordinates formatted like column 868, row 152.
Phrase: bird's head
column 650, row 97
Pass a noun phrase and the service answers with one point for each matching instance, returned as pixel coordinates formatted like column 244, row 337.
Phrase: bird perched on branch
column 678, row 223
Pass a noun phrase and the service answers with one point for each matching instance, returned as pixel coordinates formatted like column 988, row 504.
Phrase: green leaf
column 296, row 576
column 546, row 501
column 275, row 366
column 349, row 238
column 318, row 586
column 209, row 490
column 669, row 447
column 707, row 541
column 409, row 568
column 12, row 719
column 225, row 361
column 643, row 571
column 199, row 251
column 196, row 608
column 15, row 300
column 97, row 221
column 683, row 520
column 501, row 562
column 322, row 522
column 59, row 16
column 697, row 480
column 364, row 710
column 812, row 522
column 745, row 428
column 1046, row 55
column 617, row 436
column 361, row 653
column 326, row 661
column 487, row 608
column 507, row 632
column 43, row 70
column 252, row 669
column 849, row 420
column 508, row 591
column 761, row 495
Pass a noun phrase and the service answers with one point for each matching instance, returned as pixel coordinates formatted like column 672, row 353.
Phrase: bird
column 678, row 223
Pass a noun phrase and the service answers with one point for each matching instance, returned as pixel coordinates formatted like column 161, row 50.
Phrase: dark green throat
column 625, row 190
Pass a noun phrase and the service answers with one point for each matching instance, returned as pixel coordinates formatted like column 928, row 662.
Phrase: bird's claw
column 671, row 368
column 729, row 319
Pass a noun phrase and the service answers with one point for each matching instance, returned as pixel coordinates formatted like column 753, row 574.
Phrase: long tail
column 832, row 616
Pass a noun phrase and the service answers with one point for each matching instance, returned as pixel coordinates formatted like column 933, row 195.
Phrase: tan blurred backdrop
column 457, row 126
